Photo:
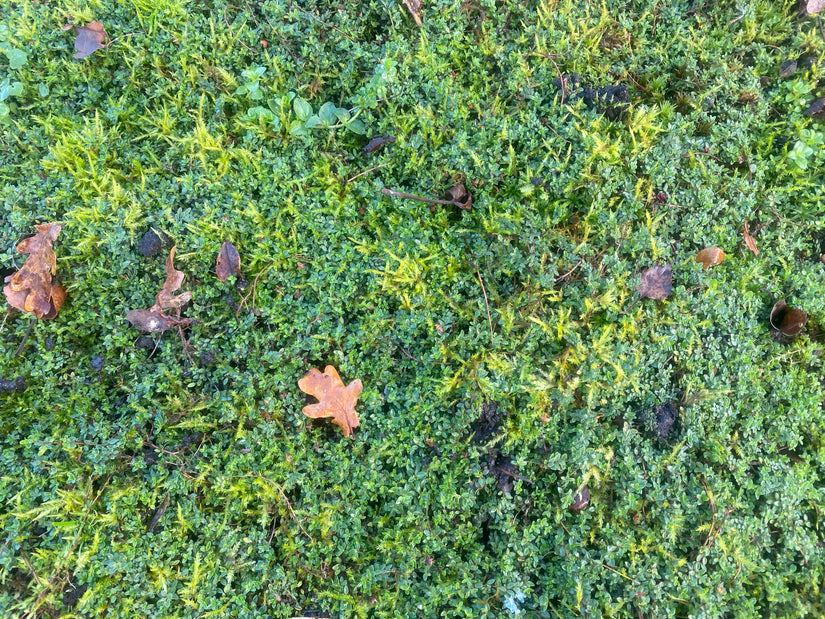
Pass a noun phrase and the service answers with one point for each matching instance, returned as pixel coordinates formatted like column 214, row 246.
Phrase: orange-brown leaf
column 751, row 244
column 710, row 256
column 32, row 289
column 228, row 263
column 787, row 320
column 334, row 399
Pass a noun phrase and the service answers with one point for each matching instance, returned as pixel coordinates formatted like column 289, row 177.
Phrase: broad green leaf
column 303, row 109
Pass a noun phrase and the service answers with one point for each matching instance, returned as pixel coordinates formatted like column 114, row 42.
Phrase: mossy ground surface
column 187, row 482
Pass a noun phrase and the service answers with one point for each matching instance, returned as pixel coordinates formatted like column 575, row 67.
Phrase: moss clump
column 197, row 123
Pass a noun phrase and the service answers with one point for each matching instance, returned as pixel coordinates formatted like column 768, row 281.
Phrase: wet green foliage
column 189, row 125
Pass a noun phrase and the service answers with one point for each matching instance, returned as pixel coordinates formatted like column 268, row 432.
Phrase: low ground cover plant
column 568, row 256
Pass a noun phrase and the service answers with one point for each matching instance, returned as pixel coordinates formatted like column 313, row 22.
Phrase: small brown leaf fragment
column 816, row 109
column 657, row 282
column 90, row 38
column 334, row 399
column 415, row 9
column 376, row 143
column 786, row 320
column 174, row 278
column 229, row 261
column 459, row 196
column 580, row 500
column 153, row 320
column 815, row 6
column 749, row 242
column 33, row 289
column 710, row 256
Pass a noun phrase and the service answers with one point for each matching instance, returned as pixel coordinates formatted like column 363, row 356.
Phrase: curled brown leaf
column 33, row 288
column 154, row 320
column 788, row 321
column 580, row 500
column 750, row 243
column 414, row 7
column 710, row 256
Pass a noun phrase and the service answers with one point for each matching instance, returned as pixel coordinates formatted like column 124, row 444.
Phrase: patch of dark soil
column 145, row 342
column 488, row 423
column 72, row 594
column 150, row 244
column 661, row 422
column 609, row 100
column 16, row 385
column 208, row 357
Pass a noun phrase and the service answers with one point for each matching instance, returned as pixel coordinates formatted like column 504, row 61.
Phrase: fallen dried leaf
column 787, row 321
column 459, row 196
column 580, row 500
column 815, row 6
column 229, row 261
column 657, row 282
column 334, row 399
column 415, row 9
column 710, row 256
column 787, row 68
column 375, row 143
column 153, row 320
column 816, row 109
column 749, row 242
column 90, row 38
column 32, row 289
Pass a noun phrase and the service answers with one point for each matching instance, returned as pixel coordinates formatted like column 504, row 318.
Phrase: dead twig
column 409, row 196
column 349, row 180
column 487, row 305
column 25, row 337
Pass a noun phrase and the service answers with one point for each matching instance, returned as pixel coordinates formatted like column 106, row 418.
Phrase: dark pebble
column 97, row 363
column 13, row 386
column 49, row 343
column 150, row 244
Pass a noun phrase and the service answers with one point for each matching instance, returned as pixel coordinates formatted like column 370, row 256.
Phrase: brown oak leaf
column 90, row 38
column 33, row 289
column 657, row 282
column 334, row 399
column 153, row 320
column 710, row 256
column 581, row 499
column 228, row 263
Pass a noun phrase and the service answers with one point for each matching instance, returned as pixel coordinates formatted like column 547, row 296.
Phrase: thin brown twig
column 349, row 180
column 252, row 292
column 409, row 196
column 25, row 337
column 516, row 475
column 486, row 303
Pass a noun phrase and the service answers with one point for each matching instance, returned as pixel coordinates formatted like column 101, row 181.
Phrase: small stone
column 97, row 363
column 49, row 343
column 150, row 244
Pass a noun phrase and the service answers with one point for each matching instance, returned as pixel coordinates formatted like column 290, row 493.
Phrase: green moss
column 261, row 513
